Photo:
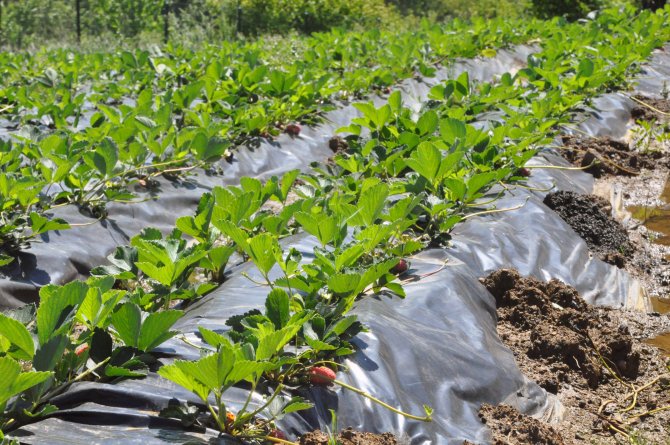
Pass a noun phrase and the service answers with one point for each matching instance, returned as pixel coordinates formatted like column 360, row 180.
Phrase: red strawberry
column 399, row 268
column 278, row 434
column 292, row 129
column 523, row 172
column 81, row 349
column 321, row 376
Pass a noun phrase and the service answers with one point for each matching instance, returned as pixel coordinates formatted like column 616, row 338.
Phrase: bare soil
column 590, row 216
column 509, row 427
column 603, row 156
column 349, row 437
column 645, row 113
column 593, row 359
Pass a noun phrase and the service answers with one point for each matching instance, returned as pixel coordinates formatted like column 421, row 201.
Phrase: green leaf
column 585, row 68
column 214, row 339
column 277, row 307
column 321, row 226
column 272, row 343
column 427, row 123
column 5, row 259
column 14, row 381
column 118, row 371
column 155, row 329
column 452, row 129
column 349, row 256
column 175, row 373
column 105, row 157
column 56, row 311
column 41, row 224
column 146, row 122
column 262, row 249
column 342, row 283
column 127, row 320
column 50, row 353
column 425, row 160
column 371, row 204
column 213, row 149
column 18, row 336
column 163, row 274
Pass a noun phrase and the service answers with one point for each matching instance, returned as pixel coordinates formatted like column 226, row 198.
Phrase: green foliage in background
column 105, row 23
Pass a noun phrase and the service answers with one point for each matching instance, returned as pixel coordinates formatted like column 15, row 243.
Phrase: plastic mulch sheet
column 438, row 346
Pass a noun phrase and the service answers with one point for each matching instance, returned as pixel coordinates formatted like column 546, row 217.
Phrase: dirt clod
column 509, row 427
column 589, row 216
column 603, row 156
column 591, row 358
column 551, row 324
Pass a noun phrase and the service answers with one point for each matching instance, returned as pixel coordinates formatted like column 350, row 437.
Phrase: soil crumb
column 590, row 217
column 349, row 437
column 509, row 427
column 602, row 156
column 593, row 359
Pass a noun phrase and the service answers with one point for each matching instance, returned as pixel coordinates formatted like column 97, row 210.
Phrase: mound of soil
column 551, row 324
column 349, row 437
column 592, row 358
column 590, row 217
column 644, row 113
column 602, row 156
column 509, row 427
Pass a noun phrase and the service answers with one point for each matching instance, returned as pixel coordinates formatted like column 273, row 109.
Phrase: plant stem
column 277, row 440
column 376, row 400
column 91, row 370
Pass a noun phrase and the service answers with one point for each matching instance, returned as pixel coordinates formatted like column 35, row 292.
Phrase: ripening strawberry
column 400, row 268
column 230, row 417
column 292, row 130
column 81, row 349
column 523, row 172
column 321, row 376
column 278, row 434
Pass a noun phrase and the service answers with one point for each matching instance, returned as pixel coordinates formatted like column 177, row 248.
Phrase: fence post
column 78, row 9
column 238, row 20
column 166, row 21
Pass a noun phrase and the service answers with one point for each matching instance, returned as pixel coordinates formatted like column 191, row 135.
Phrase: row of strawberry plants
column 188, row 110
column 415, row 178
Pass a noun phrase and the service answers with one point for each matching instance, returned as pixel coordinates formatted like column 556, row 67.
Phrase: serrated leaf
column 56, row 303
column 427, row 123
column 118, row 371
column 155, row 329
column 342, row 283
column 18, row 336
column 277, row 306
column 127, row 320
column 14, row 381
column 40, row 224
column 50, row 353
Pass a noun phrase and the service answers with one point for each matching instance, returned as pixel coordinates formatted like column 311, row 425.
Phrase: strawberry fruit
column 292, row 129
column 278, row 434
column 81, row 349
column 399, row 268
column 321, row 376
